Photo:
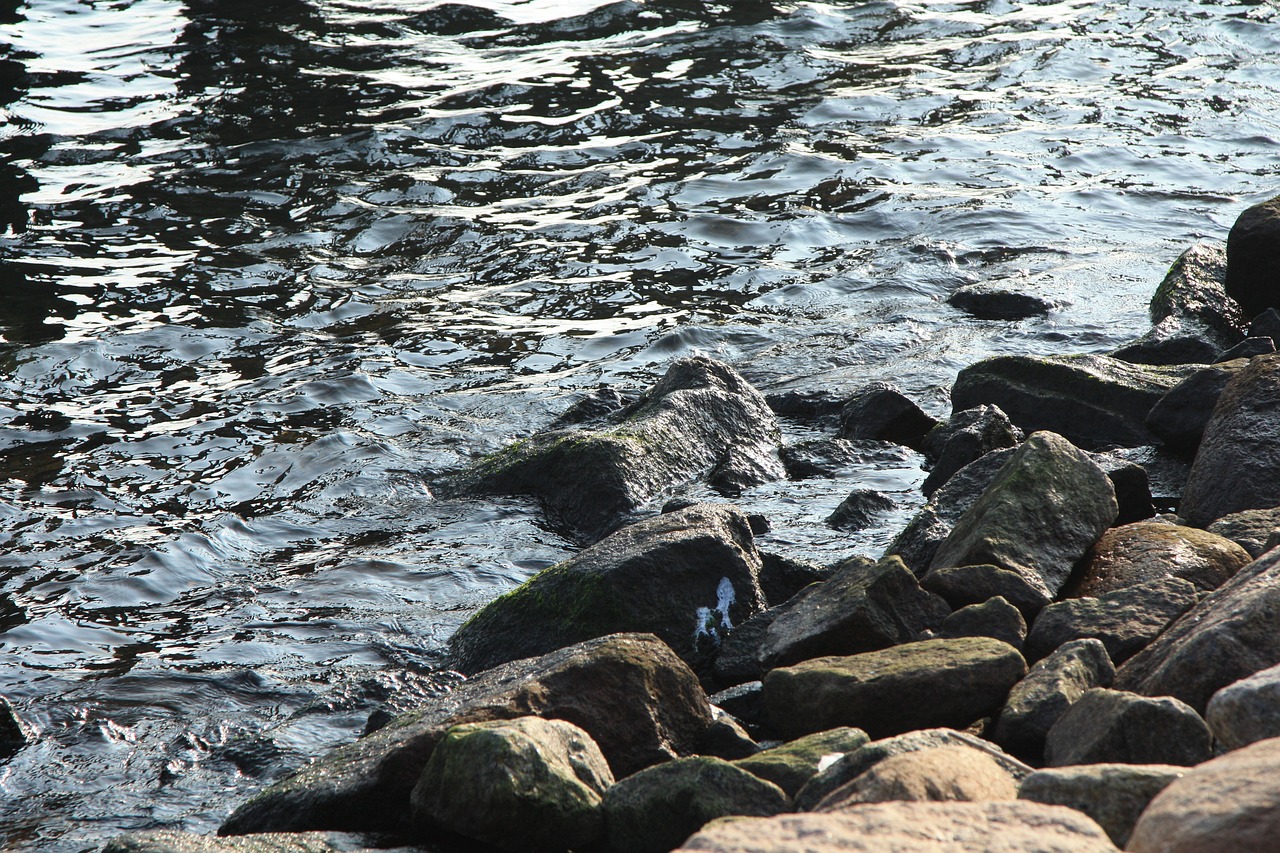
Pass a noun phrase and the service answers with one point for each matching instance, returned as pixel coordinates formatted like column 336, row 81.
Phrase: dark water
column 269, row 266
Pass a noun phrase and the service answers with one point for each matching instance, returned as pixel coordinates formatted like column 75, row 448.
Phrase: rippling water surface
column 271, row 266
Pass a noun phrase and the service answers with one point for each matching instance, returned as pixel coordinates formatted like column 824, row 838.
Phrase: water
column 271, row 266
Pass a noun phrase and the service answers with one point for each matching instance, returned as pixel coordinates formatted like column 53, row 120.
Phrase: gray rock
column 995, row 617
column 912, row 686
column 1245, row 712
column 1132, row 485
column 1150, row 550
column 1043, row 511
column 743, row 701
column 946, row 773
column 1114, row 795
column 1125, row 620
column 636, row 699
column 1037, row 701
column 738, row 660
column 170, row 841
column 823, row 457
column 1112, row 726
column 782, row 577
column 15, row 733
column 792, row 764
column 860, row 609
column 659, row 808
column 1267, row 325
column 988, row 302
column 882, row 412
column 964, row 438
column 963, row 586
column 1248, row 348
column 526, row 784
column 726, row 737
column 700, row 421
column 1166, row 475
column 1180, row 416
column 862, row 509
column 1252, row 258
column 1250, row 528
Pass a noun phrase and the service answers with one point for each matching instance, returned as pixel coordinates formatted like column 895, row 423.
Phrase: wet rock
column 988, row 302
column 743, row 701
column 912, row 686
column 1092, row 400
column 862, row 509
column 1149, row 550
column 1250, row 528
column 1248, row 348
column 1229, row 803
column 807, row 405
column 726, row 738
column 1112, row 726
column 1132, row 486
column 792, row 764
column 688, row 576
column 1043, row 511
column 526, row 784
column 1166, row 476
column 995, row 617
column 596, row 405
column 700, row 421
column 860, row 609
column 821, row 458
column 964, row 438
column 657, row 809
column 638, row 701
column 1114, row 795
column 170, row 841
column 1228, row 636
column 947, row 773
column 738, row 660
column 1125, row 620
column 1266, row 325
column 14, row 731
column 880, row 411
column 1051, row 686
column 1179, row 417
column 1245, row 712
column 782, row 577
column 911, row 828
column 963, row 586
column 1253, row 259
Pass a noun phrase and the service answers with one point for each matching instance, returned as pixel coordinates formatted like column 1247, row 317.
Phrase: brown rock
column 1148, row 550
column 935, row 775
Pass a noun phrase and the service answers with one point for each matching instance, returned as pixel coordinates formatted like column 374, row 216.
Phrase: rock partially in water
column 990, row 302
column 1113, row 726
column 688, row 576
column 1114, row 795
column 1180, row 416
column 882, row 412
column 823, row 457
column 1253, row 256
column 968, row 435
column 862, row 509
column 792, row 764
column 1150, row 550
column 15, row 733
column 941, row 774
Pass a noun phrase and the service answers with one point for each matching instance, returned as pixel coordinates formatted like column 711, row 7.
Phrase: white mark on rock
column 713, row 622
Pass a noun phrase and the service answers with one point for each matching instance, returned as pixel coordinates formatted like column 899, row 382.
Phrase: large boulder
column 699, row 421
column 1253, row 258
column 1114, row 795
column 1045, row 508
column 687, row 576
column 630, row 692
column 1150, row 550
column 860, row 608
column 523, row 784
column 1245, row 712
column 964, row 586
column 1238, row 464
column 913, row 686
column 791, row 765
column 1229, row 803
column 1092, row 400
column 936, row 775
column 1112, row 726
column 882, row 412
column 1180, row 416
column 995, row 617
column 911, row 828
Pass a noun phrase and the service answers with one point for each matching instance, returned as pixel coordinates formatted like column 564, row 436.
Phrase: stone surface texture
column 947, row 773
column 1114, row 795
column 1111, row 726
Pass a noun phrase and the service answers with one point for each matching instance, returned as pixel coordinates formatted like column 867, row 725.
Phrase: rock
column 687, row 576
column 1229, row 803
column 1125, row 620
column 1037, row 702
column 1228, row 636
column 792, row 764
column 1112, row 726
column 807, row 405
column 1252, row 258
column 995, row 617
column 859, row 609
column 1114, row 795
column 1248, row 348
column 1266, row 325
column 1166, row 475
column 1179, row 417
column 14, row 731
column 1132, row 486
column 738, row 660
column 1043, row 511
column 636, row 699
column 700, row 421
column 726, row 738
column 966, row 437
column 963, row 586
column 880, row 411
column 862, row 509
column 657, row 809
column 947, row 773
column 596, row 405
column 987, row 302
column 1250, row 528
column 169, row 841
column 1150, row 550
column 1245, row 712
column 523, row 784
column 782, row 577
column 911, row 686
column 824, row 457
column 911, row 828
column 1092, row 400
column 743, row 701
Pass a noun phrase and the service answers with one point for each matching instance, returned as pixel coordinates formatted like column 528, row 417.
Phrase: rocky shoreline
column 1046, row 657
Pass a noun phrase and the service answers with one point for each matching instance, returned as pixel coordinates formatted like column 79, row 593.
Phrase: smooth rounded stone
column 1005, row 827
column 1245, row 712
column 1043, row 511
column 171, row 841
column 657, row 809
column 862, row 509
column 1253, row 258
column 639, row 702
column 988, row 302
column 1126, row 620
column 1248, row 348
column 1179, row 417
column 882, row 412
column 781, row 577
column 1229, row 635
column 995, row 617
column 1150, row 550
column 853, row 764
column 700, row 421
column 1250, row 529
column 963, row 586
column 1238, row 464
column 1113, row 726
column 792, row 764
column 522, row 784
column 912, row 686
column 948, row 773
column 1037, row 701
column 688, row 576
column 820, row 458
column 1230, row 803
column 738, row 659
column 1091, row 400
column 965, row 437
column 1114, row 795
column 727, row 738
column 860, row 608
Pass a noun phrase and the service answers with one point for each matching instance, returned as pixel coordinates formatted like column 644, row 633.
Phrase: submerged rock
column 862, row 509
column 882, row 412
column 988, row 302
column 1114, row 795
